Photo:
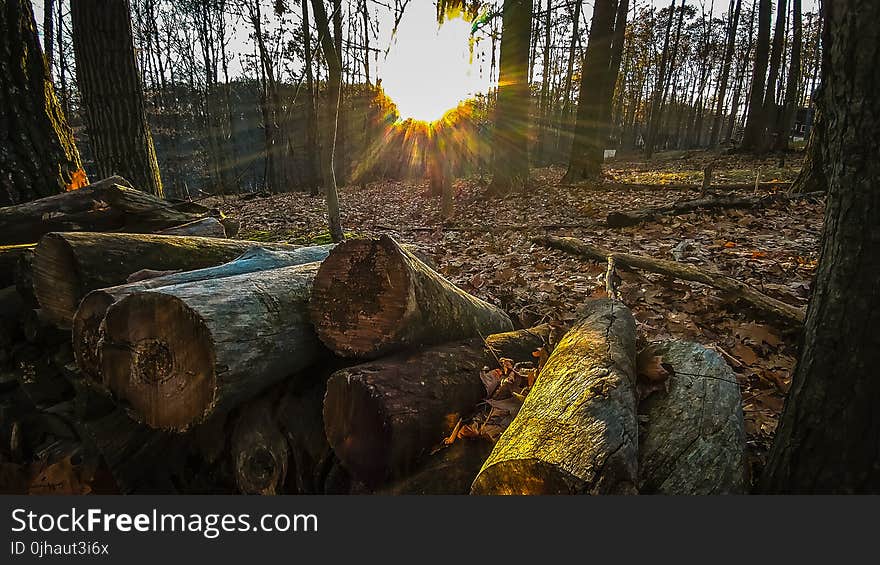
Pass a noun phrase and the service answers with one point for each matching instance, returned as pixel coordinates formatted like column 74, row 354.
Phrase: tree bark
column 770, row 109
column 372, row 297
column 813, row 176
column 206, row 227
column 828, row 436
column 694, row 439
column 38, row 156
column 510, row 159
column 576, row 432
column 587, row 150
column 108, row 205
column 92, row 309
column 382, row 417
column 179, row 354
column 733, row 23
column 69, row 265
column 755, row 122
column 733, row 289
column 790, row 107
column 112, row 94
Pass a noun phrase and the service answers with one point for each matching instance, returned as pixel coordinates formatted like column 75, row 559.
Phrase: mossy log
column 451, row 470
column 382, row 417
column 258, row 448
column 90, row 314
column 180, row 353
column 576, row 432
column 694, row 437
column 69, row 265
column 733, row 290
column 111, row 204
column 206, row 227
column 373, row 297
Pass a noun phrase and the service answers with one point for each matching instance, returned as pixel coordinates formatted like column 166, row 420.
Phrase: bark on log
column 732, row 289
column 576, row 432
column 91, row 311
column 69, row 265
column 450, row 471
column 258, row 448
column 634, row 217
column 206, row 227
column 694, row 440
column 178, row 354
column 107, row 205
column 382, row 417
column 372, row 297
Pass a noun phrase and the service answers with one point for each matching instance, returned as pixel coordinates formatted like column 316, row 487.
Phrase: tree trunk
column 733, row 23
column 813, row 175
column 373, row 297
column 382, row 417
column 311, row 174
column 111, row 92
column 38, row 156
column 178, row 354
column 755, row 123
column 93, row 308
column 108, row 205
column 770, row 107
column 828, row 435
column 69, row 265
column 587, row 149
column 789, row 110
column 694, row 439
column 576, row 432
column 510, row 159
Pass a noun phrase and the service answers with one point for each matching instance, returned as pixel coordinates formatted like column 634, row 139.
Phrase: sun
column 430, row 69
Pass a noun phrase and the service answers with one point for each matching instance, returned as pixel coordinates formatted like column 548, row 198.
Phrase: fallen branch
column 727, row 187
column 633, row 217
column 732, row 288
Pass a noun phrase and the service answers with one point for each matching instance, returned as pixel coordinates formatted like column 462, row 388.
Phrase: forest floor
column 486, row 249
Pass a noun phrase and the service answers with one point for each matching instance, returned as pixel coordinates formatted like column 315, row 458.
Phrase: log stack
column 213, row 365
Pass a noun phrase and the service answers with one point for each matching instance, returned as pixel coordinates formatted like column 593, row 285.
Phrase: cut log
column 206, row 227
column 9, row 257
column 576, row 432
column 635, row 217
column 88, row 317
column 107, row 205
column 69, row 265
column 382, row 417
column 258, row 448
column 733, row 290
column 372, row 297
column 694, row 440
column 452, row 470
column 180, row 353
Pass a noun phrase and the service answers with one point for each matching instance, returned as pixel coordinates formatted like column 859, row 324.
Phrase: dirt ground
column 486, row 249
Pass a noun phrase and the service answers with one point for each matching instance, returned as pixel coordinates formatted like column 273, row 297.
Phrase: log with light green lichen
column 576, row 432
column 91, row 310
column 69, row 265
column 373, row 297
column 179, row 354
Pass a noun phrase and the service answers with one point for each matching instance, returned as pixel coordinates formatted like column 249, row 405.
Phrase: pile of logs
column 144, row 362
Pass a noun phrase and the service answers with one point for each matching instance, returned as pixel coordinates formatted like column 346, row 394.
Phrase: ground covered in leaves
column 487, row 250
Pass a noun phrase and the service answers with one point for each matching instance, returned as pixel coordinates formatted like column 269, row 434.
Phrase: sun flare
column 430, row 69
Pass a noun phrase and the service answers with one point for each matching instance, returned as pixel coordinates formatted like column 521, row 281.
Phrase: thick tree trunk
column 178, row 354
column 733, row 23
column 108, row 205
column 69, row 265
column 587, row 150
column 112, row 94
column 92, row 308
column 790, row 107
column 382, row 417
column 510, row 159
column 373, row 296
column 694, row 439
column 755, row 122
column 770, row 108
column 38, row 156
column 829, row 434
column 733, row 289
column 576, row 432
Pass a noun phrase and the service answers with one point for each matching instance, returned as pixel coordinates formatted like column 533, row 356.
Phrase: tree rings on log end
column 86, row 332
column 158, row 357
column 373, row 270
column 56, row 279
